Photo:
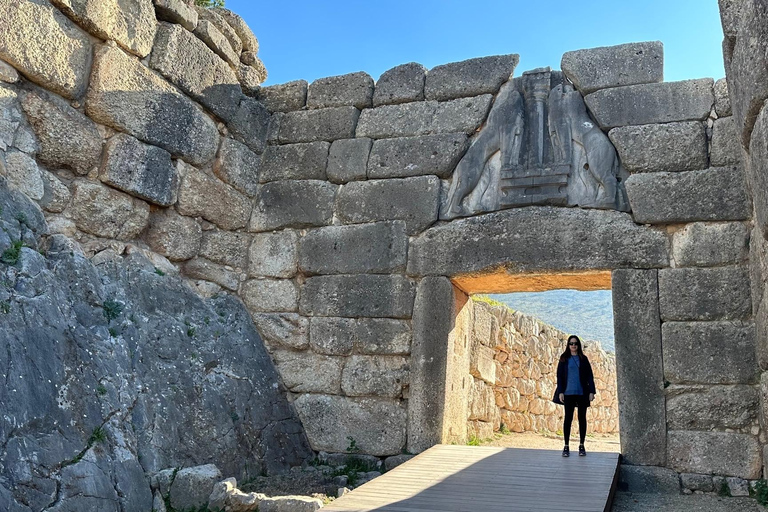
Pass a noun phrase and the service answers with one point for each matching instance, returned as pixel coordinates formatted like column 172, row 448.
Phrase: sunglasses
column 573, row 342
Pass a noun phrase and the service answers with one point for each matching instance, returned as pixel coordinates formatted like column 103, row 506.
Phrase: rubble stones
column 238, row 166
column 720, row 293
column 354, row 89
column 28, row 32
column 358, row 296
column 415, row 156
column 471, row 77
column 614, row 66
column 305, row 161
column 274, row 254
column 285, row 97
column 139, row 169
column 270, row 295
column 176, row 11
column 293, row 203
column 203, row 195
column 661, row 147
column 326, row 124
column 105, row 212
column 176, row 237
column 66, row 137
column 401, row 84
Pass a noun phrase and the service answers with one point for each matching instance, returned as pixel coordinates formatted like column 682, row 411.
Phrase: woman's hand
column 591, row 396
column 562, row 397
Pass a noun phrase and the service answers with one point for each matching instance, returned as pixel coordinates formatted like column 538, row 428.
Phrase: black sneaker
column 566, row 451
column 582, row 451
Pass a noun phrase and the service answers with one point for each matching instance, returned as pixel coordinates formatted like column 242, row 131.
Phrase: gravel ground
column 594, row 443
column 628, row 502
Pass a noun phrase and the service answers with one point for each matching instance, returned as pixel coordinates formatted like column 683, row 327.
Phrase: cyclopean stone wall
column 325, row 208
column 512, row 375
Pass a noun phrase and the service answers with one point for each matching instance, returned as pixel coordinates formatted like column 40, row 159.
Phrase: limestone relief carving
column 539, row 146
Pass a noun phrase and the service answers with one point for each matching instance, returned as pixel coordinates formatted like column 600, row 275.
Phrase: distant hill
column 589, row 315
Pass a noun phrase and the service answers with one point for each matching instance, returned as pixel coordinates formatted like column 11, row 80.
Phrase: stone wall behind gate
column 317, row 204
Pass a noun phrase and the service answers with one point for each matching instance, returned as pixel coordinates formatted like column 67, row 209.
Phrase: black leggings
column 572, row 401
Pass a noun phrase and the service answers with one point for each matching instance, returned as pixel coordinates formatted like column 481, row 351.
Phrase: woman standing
column 575, row 388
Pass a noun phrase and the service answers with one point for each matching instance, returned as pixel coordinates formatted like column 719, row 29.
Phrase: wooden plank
column 468, row 478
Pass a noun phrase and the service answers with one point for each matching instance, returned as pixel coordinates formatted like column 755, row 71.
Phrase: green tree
column 210, row 3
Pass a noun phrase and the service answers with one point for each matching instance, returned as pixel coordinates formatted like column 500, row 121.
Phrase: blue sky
column 312, row 39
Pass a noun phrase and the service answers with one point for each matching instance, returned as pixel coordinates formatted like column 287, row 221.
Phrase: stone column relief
column 539, row 147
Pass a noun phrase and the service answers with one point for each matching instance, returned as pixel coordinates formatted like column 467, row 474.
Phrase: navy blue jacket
column 585, row 377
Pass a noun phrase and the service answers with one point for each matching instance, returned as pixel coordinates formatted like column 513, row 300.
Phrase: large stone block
column 373, row 336
column 614, row 66
column 348, row 160
column 545, row 238
column 226, row 248
column 665, row 198
column 757, row 171
column 176, row 11
column 175, row 237
column 238, row 166
column 471, row 77
column 326, row 124
column 24, row 175
column 188, row 63
column 56, row 195
column 712, row 407
column 703, row 244
column 401, row 84
column 45, row 46
column 222, row 26
column 377, row 425
column 720, row 453
column 251, row 124
column 726, row 149
column 66, row 137
column 129, row 97
column 416, row 156
column 689, row 100
column 305, row 161
column 432, row 322
column 721, row 293
column 270, row 295
column 129, row 23
column 375, row 376
column 305, row 372
column 354, row 89
column 212, row 37
column 378, row 248
column 201, row 194
column 709, row 352
column 413, row 200
column 288, row 330
column 461, row 115
column 241, row 28
column 191, row 487
column 358, row 295
column 201, row 268
column 722, row 99
column 639, row 369
column 293, row 203
column 662, row 147
column 274, row 254
column 285, row 97
column 141, row 170
column 105, row 212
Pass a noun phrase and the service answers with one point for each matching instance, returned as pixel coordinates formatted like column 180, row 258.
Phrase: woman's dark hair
column 567, row 352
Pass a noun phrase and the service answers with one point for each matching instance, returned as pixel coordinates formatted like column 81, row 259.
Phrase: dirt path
column 595, row 442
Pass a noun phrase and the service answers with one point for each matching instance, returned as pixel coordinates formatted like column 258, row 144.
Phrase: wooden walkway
column 487, row 479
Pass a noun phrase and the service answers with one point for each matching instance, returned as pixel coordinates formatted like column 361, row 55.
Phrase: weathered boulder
column 222, row 26
column 290, row 504
column 375, row 376
column 662, row 147
column 378, row 248
column 306, row 372
column 175, row 237
column 365, row 335
column 709, row 352
column 176, row 11
column 293, row 203
column 270, row 295
column 141, row 170
column 701, row 244
column 354, row 89
column 201, row 268
column 377, row 424
column 191, row 487
column 287, row 330
column 722, row 453
column 28, row 32
column 348, row 160
column 413, row 200
column 66, row 137
column 203, row 195
column 274, row 254
column 306, row 161
column 546, row 238
column 226, row 247
column 720, row 293
column 689, row 100
column 216, row 41
column 285, row 97
column 358, row 296
column 238, row 166
column 401, row 84
column 105, row 212
column 416, row 156
column 56, row 195
column 130, row 23
column 711, row 194
column 614, row 66
column 24, row 175
column 238, row 24
column 251, row 124
column 726, row 149
column 188, row 63
column 127, row 96
column 326, row 124
column 7, row 73
column 696, row 482
column 712, row 407
column 471, row 77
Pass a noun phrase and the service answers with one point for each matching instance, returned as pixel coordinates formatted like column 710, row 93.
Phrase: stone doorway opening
column 503, row 355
